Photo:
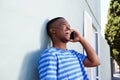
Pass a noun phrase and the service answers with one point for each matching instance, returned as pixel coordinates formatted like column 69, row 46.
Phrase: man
column 59, row 63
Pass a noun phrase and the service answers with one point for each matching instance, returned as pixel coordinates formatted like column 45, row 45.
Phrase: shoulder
column 49, row 52
column 75, row 52
column 81, row 56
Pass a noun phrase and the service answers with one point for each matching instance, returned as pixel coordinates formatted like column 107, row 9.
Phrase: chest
column 68, row 65
column 67, row 60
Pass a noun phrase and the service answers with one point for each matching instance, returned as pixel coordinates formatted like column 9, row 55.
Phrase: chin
column 67, row 40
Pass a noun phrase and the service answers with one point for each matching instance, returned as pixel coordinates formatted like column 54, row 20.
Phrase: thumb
column 71, row 40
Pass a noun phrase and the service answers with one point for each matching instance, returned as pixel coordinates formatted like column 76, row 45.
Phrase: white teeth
column 67, row 32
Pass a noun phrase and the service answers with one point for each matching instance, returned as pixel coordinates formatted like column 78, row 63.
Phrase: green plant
column 112, row 30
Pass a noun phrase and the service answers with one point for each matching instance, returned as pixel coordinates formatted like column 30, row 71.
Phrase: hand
column 78, row 36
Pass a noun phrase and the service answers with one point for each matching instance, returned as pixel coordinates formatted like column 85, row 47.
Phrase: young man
column 59, row 63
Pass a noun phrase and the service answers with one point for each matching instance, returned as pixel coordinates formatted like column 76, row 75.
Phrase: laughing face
column 62, row 30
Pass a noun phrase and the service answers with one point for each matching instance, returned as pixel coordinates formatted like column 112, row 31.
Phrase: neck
column 59, row 45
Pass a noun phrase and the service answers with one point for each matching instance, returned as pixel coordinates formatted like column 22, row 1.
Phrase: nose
column 68, row 28
column 71, row 30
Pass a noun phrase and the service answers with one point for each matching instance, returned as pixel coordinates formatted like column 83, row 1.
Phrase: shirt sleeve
column 80, row 56
column 47, row 67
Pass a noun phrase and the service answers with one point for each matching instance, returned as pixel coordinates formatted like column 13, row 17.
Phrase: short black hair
column 48, row 26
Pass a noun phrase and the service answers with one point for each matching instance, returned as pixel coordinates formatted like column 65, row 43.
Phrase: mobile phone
column 72, row 35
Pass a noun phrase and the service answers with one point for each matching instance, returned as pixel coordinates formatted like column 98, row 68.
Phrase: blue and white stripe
column 58, row 64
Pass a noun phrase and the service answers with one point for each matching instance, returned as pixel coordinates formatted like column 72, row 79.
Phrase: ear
column 52, row 31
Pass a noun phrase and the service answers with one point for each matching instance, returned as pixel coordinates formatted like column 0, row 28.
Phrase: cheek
column 61, row 31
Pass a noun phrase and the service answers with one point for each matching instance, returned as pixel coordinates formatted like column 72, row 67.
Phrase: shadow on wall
column 29, row 69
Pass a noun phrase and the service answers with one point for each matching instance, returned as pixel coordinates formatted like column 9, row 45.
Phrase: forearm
column 93, row 59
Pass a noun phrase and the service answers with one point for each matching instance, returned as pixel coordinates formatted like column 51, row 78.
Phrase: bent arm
column 92, row 59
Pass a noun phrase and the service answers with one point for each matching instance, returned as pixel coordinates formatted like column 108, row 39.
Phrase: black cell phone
column 72, row 35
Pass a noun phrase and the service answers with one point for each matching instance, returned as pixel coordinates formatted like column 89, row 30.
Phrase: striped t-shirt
column 59, row 64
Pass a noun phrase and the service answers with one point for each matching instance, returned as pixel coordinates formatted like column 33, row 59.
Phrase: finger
column 71, row 40
column 72, row 30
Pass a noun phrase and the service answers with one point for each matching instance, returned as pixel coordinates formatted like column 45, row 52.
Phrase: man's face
column 63, row 30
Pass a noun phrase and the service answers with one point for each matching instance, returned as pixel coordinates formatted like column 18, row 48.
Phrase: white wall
column 105, row 60
column 23, row 36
